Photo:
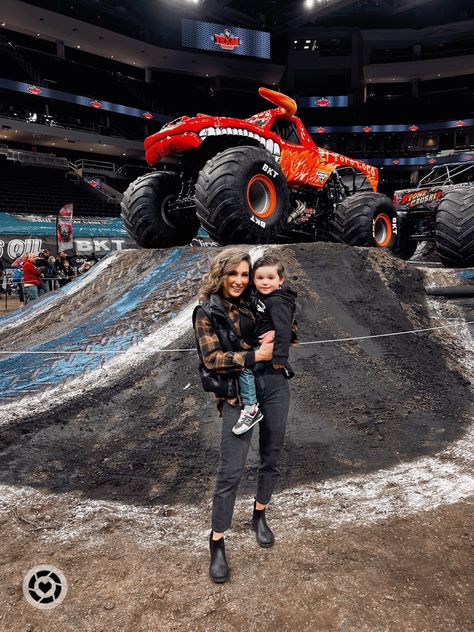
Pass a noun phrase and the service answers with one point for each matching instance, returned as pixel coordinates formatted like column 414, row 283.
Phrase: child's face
column 267, row 279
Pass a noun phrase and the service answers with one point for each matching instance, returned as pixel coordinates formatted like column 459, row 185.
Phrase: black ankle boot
column 218, row 570
column 265, row 535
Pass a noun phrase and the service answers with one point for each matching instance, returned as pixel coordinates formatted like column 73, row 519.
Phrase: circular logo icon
column 44, row 587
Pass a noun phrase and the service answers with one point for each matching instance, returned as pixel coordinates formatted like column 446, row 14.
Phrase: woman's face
column 236, row 281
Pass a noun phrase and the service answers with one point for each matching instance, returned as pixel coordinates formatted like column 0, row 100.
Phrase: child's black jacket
column 278, row 314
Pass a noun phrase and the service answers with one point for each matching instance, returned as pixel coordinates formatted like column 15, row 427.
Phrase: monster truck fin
column 282, row 100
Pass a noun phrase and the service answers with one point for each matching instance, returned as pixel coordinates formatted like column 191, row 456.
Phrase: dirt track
column 372, row 513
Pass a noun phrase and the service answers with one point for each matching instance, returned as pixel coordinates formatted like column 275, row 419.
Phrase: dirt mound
column 126, row 422
column 108, row 454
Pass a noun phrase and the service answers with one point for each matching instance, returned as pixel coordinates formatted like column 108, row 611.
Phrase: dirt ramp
column 144, row 431
column 78, row 329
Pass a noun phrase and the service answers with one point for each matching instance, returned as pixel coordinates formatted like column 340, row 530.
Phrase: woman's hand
column 264, row 353
column 268, row 336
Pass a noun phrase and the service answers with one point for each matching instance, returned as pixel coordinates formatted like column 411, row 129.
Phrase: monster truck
column 440, row 210
column 252, row 180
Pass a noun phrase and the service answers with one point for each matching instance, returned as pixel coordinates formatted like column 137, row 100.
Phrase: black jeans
column 274, row 398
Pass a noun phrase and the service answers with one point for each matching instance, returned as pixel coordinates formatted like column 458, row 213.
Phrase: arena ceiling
column 276, row 16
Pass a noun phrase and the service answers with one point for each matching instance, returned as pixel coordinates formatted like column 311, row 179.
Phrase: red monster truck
column 247, row 181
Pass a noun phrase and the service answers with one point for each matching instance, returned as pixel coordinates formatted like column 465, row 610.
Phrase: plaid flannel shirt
column 214, row 358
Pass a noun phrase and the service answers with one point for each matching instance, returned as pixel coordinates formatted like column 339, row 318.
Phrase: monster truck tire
column 242, row 196
column 365, row 219
column 454, row 229
column 404, row 247
column 144, row 214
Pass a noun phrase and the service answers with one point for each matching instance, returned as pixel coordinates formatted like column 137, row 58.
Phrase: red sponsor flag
column 64, row 228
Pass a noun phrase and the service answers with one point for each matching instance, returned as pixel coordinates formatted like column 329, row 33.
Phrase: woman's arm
column 214, row 358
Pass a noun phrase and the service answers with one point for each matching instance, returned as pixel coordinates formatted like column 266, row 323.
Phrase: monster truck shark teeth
column 267, row 143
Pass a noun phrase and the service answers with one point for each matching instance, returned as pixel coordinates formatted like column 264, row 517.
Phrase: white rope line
column 310, row 342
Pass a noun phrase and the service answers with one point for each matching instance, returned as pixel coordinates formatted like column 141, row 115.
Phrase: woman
column 225, row 330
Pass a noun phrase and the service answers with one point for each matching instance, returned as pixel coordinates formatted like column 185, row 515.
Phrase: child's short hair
column 269, row 260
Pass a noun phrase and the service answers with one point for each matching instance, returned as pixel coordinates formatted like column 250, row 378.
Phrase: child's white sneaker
column 247, row 420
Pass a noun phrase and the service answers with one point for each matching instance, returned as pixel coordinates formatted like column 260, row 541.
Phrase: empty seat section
column 41, row 190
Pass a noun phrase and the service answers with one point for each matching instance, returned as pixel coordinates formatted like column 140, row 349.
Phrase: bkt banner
column 20, row 234
column 13, row 246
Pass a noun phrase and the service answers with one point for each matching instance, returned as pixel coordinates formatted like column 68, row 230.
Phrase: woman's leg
column 234, row 450
column 274, row 398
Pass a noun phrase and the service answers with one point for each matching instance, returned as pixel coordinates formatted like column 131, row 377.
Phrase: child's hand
column 268, row 336
column 278, row 366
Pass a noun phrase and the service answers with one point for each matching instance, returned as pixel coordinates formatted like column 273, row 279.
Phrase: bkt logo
column 226, row 40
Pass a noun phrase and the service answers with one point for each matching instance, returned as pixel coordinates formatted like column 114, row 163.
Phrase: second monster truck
column 249, row 180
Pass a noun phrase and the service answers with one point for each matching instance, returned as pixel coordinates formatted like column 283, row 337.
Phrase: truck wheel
column 242, row 196
column 404, row 247
column 365, row 219
column 454, row 229
column 145, row 212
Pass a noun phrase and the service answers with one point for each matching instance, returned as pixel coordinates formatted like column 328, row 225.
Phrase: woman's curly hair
column 222, row 264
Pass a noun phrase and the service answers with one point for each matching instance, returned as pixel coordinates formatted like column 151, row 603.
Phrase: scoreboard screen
column 220, row 38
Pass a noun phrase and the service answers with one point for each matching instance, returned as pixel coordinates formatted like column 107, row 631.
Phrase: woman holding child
column 229, row 325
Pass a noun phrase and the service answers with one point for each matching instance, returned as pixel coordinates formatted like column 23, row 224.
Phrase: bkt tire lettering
column 258, row 221
column 271, row 172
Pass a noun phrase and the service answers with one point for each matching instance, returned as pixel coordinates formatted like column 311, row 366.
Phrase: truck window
column 286, row 131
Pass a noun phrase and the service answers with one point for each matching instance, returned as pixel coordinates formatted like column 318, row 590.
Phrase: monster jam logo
column 226, row 41
column 423, row 196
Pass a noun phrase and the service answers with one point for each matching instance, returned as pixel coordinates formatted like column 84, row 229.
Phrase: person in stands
column 32, row 278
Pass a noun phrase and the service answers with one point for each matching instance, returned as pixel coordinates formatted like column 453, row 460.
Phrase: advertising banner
column 69, row 97
column 93, row 236
column 323, row 102
column 64, row 228
column 220, row 38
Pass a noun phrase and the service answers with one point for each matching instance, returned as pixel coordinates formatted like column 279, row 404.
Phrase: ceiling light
column 309, row 4
column 38, row 34
column 78, row 46
column 111, row 56
column 3, row 23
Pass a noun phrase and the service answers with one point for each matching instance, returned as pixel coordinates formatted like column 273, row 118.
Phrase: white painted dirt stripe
column 403, row 490
column 23, row 317
column 110, row 371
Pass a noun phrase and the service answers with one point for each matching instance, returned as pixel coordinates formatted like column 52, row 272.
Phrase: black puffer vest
column 212, row 381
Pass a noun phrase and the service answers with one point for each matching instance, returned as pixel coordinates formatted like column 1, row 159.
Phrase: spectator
column 51, row 273
column 32, row 278
column 61, row 258
column 66, row 272
column 86, row 266
column 19, row 261
column 17, row 278
column 42, row 265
